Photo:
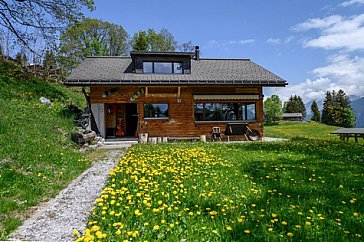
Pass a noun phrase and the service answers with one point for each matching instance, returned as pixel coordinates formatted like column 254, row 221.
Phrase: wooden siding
column 181, row 109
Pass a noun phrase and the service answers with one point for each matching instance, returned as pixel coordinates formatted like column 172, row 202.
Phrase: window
column 155, row 110
column 163, row 67
column 148, row 67
column 224, row 111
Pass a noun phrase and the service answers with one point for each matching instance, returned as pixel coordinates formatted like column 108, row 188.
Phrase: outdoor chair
column 216, row 133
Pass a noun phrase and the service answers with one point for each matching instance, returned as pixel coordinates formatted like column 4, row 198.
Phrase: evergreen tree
column 348, row 118
column 328, row 109
column 315, row 111
column 295, row 105
column 337, row 110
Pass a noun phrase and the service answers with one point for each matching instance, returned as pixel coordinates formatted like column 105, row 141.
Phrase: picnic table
column 346, row 133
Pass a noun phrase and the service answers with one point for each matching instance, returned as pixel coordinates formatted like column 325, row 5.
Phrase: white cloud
column 274, row 41
column 352, row 2
column 246, row 41
column 336, row 32
column 278, row 41
column 341, row 72
column 226, row 43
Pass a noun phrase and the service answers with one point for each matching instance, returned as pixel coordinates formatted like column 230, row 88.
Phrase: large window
column 155, row 110
column 163, row 67
column 225, row 111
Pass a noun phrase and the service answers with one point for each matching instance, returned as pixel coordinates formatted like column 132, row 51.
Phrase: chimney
column 197, row 52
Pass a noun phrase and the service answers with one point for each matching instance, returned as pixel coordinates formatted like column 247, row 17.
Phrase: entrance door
column 131, row 114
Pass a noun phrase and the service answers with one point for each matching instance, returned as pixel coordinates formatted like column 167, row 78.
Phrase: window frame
column 161, row 73
column 156, row 118
column 242, row 103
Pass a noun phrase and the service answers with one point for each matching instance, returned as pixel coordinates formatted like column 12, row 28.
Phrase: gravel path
column 56, row 219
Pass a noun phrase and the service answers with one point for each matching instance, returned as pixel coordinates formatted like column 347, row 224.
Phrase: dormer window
column 162, row 67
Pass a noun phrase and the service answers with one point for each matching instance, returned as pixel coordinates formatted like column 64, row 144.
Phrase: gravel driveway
column 56, row 219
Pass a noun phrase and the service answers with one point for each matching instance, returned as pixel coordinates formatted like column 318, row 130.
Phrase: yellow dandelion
column 155, row 227
column 289, row 234
column 356, row 214
column 274, row 215
column 118, row 232
column 284, row 222
column 270, row 229
column 308, row 223
column 229, row 228
column 75, row 232
column 247, row 231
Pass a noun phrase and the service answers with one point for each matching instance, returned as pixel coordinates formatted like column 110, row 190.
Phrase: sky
column 315, row 45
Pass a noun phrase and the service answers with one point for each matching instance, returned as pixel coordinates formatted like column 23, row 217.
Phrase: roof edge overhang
column 70, row 82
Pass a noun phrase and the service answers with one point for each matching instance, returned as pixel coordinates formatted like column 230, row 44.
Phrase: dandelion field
column 298, row 190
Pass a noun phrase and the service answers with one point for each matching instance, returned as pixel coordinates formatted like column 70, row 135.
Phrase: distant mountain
column 357, row 104
column 358, row 108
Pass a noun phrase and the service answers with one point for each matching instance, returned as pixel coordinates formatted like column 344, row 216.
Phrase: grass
column 311, row 130
column 303, row 189
column 37, row 158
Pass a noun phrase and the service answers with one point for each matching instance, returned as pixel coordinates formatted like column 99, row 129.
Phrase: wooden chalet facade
column 172, row 94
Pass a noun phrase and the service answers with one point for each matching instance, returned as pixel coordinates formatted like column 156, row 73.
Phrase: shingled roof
column 118, row 71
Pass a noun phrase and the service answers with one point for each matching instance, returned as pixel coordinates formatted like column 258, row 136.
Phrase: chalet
column 172, row 94
column 297, row 117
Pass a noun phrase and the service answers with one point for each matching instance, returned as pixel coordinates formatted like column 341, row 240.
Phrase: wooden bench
column 346, row 133
column 175, row 139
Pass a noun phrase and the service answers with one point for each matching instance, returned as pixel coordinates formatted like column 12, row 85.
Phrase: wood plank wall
column 181, row 111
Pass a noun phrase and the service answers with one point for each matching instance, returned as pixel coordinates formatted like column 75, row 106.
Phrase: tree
column 21, row 58
column 22, row 18
column 328, row 109
column 348, row 118
column 152, row 41
column 315, row 112
column 91, row 37
column 186, row 47
column 49, row 61
column 337, row 110
column 140, row 41
column 272, row 109
column 295, row 105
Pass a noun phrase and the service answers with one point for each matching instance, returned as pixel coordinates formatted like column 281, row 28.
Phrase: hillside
column 37, row 157
column 306, row 129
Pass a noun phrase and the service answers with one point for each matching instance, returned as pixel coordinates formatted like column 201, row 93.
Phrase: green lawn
column 305, row 129
column 303, row 189
column 37, row 158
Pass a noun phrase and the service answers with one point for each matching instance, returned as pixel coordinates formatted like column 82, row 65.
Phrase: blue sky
column 314, row 45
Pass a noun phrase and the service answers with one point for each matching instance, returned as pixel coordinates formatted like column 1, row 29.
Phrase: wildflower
column 355, row 214
column 247, row 231
column 270, row 229
column 118, row 232
column 155, row 227
column 137, row 212
column 274, row 215
column 289, row 234
column 75, row 232
column 298, row 226
column 284, row 222
column 308, row 223
column 229, row 228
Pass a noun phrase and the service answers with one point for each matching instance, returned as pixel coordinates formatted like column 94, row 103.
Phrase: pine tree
column 315, row 111
column 337, row 110
column 328, row 109
column 295, row 105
